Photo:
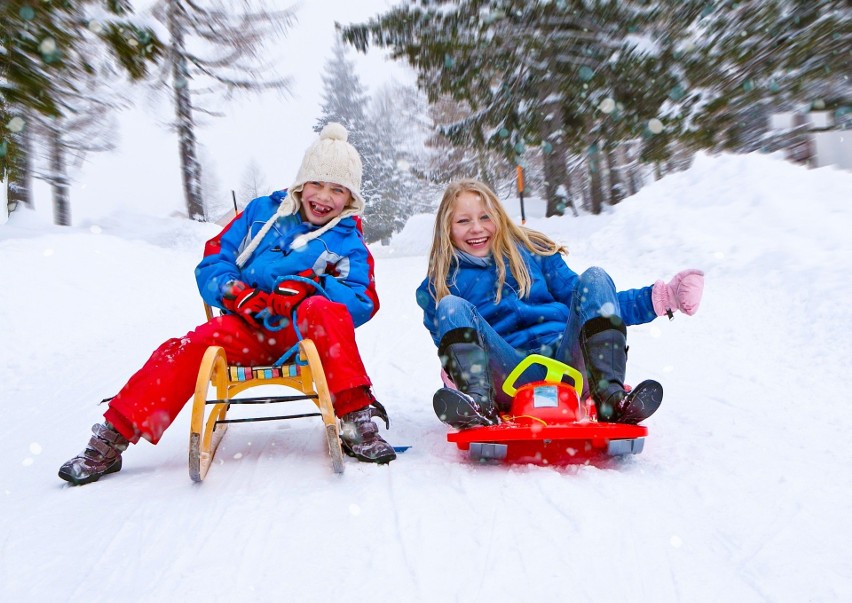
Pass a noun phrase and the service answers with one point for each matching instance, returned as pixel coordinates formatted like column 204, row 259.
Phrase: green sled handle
column 555, row 371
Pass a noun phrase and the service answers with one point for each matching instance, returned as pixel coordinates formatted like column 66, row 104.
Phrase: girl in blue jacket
column 265, row 264
column 496, row 292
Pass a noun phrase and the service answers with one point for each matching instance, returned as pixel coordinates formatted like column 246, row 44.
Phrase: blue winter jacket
column 538, row 319
column 339, row 256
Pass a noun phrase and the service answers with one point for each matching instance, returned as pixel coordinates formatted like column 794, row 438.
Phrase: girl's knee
column 451, row 304
column 453, row 312
column 595, row 273
column 453, row 308
column 596, row 278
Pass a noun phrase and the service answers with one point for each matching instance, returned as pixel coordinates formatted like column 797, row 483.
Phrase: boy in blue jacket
column 308, row 233
column 485, row 319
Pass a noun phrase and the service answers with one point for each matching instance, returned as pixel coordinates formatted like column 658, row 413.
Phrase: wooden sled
column 209, row 421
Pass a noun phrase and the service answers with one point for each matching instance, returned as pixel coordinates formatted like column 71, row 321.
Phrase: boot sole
column 457, row 410
column 380, row 460
column 643, row 401
column 74, row 481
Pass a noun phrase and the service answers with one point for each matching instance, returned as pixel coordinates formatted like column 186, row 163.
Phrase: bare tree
column 213, row 47
column 253, row 183
column 48, row 53
column 87, row 127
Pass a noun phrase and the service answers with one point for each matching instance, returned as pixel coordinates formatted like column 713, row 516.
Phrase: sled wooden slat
column 209, row 424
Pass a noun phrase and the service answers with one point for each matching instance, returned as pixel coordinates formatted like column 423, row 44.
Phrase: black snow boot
column 466, row 363
column 604, row 345
column 360, row 436
column 101, row 456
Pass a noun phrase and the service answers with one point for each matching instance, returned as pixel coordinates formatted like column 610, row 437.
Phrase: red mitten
column 245, row 301
column 288, row 294
column 682, row 293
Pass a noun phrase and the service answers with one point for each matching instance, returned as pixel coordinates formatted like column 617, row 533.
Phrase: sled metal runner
column 549, row 424
column 209, row 417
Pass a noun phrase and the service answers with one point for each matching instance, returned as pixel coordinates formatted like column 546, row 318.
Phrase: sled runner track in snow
column 209, row 422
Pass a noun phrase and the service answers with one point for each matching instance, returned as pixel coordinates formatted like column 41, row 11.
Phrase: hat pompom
column 334, row 131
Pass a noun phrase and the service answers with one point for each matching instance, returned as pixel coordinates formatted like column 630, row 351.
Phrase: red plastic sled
column 549, row 425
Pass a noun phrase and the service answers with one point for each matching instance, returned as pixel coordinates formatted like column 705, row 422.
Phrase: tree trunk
column 190, row 167
column 579, row 188
column 557, row 184
column 20, row 176
column 587, row 198
column 629, row 163
column 594, row 165
column 58, row 177
column 617, row 191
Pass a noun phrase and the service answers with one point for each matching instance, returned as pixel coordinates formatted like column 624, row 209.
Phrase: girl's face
column 322, row 201
column 471, row 228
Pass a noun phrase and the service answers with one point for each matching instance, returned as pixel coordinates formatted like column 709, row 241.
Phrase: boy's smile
column 323, row 201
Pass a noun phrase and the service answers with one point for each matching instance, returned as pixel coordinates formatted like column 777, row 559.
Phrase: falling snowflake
column 16, row 124
column 607, row 105
column 47, row 46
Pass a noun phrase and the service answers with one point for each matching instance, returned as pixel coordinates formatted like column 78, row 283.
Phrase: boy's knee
column 319, row 303
column 319, row 310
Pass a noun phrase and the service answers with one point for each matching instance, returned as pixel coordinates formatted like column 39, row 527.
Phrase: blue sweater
column 339, row 256
column 541, row 317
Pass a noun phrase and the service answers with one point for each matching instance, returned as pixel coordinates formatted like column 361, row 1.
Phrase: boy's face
column 472, row 229
column 322, row 201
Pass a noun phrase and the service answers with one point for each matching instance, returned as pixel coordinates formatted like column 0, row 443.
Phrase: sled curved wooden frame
column 208, row 427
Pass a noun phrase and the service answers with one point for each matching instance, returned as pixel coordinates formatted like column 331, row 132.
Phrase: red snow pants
column 155, row 394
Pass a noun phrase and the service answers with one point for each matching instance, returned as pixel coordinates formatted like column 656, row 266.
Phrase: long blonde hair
column 507, row 237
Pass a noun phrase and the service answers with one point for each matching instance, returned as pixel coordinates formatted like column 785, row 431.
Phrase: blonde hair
column 507, row 237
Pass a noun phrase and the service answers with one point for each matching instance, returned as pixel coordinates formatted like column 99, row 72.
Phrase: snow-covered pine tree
column 448, row 161
column 750, row 57
column 344, row 98
column 581, row 76
column 385, row 182
column 395, row 121
column 525, row 70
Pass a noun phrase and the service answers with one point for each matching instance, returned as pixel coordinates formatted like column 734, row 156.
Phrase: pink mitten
column 682, row 293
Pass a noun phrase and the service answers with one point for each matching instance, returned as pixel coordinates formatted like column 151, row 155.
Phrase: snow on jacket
column 339, row 257
column 526, row 323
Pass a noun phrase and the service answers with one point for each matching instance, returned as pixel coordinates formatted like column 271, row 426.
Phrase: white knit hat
column 329, row 159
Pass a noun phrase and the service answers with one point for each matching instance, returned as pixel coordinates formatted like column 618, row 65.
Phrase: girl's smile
column 472, row 229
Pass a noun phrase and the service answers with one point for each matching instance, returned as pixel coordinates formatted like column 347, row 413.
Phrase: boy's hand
column 290, row 293
column 245, row 301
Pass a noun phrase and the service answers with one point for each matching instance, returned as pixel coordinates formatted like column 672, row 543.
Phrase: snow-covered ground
column 742, row 492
